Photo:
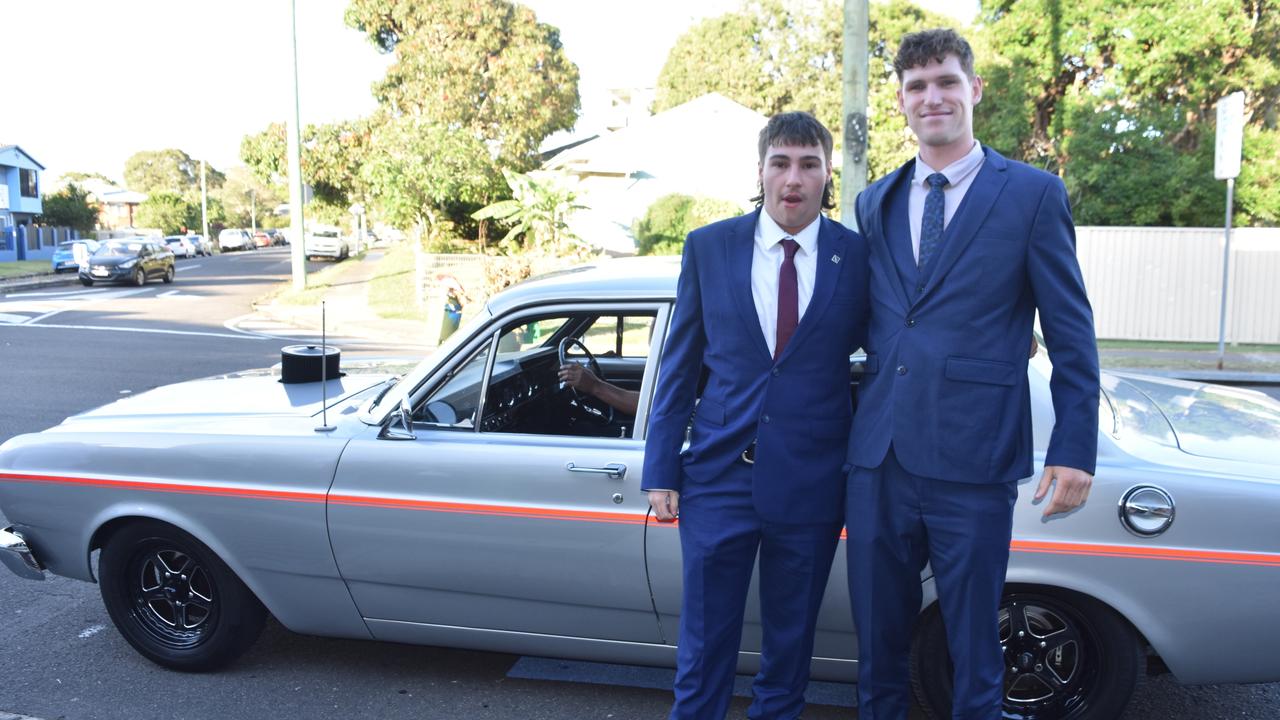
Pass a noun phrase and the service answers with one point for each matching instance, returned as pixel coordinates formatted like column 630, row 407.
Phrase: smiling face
column 938, row 100
column 792, row 178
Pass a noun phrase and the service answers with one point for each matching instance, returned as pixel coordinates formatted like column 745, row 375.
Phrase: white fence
column 1166, row 283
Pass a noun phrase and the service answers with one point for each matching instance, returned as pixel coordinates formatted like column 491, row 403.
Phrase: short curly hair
column 797, row 128
column 918, row 48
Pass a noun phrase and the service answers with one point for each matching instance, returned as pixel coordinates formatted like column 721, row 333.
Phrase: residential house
column 705, row 147
column 19, row 204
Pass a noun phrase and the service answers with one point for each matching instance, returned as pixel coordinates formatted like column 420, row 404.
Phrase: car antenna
column 324, row 380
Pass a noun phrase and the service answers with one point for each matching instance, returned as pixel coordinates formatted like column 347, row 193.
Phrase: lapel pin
column 835, row 259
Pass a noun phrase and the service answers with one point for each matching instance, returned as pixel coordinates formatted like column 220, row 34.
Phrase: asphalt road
column 69, row 349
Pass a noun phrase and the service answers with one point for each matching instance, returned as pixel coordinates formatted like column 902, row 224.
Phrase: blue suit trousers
column 721, row 534
column 897, row 522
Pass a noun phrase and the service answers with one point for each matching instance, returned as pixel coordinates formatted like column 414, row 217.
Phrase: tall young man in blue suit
column 763, row 303
column 966, row 246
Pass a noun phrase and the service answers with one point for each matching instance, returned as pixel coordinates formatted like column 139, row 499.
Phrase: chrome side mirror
column 400, row 423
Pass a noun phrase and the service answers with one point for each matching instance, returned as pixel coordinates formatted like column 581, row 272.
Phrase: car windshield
column 119, row 248
column 326, row 233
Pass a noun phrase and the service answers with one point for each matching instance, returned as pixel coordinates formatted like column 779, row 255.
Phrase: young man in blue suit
column 764, row 304
column 966, row 247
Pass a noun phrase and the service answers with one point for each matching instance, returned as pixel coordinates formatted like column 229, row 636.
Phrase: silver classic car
column 472, row 501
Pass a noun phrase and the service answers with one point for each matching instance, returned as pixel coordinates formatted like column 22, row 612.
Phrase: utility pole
column 853, row 175
column 253, row 211
column 297, row 237
column 204, row 207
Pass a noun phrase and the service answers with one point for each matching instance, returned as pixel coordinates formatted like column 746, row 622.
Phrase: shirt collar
column 768, row 234
column 956, row 171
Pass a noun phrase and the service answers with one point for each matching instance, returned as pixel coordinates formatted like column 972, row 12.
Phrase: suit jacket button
column 765, row 419
column 776, row 372
column 911, row 322
column 902, row 369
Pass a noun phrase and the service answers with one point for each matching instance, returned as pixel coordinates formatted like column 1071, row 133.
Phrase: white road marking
column 168, row 293
column 45, row 316
column 191, row 267
column 92, row 630
column 11, row 319
column 156, row 331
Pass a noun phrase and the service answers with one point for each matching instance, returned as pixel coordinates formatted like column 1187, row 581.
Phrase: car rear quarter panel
column 258, row 502
column 1201, row 593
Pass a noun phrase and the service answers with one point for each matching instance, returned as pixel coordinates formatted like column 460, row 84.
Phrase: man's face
column 938, row 101
column 792, row 177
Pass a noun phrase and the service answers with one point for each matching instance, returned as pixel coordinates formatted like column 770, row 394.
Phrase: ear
column 902, row 106
column 977, row 89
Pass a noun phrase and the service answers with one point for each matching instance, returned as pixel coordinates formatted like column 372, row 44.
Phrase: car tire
column 151, row 576
column 86, row 282
column 1102, row 658
column 168, row 274
column 139, row 277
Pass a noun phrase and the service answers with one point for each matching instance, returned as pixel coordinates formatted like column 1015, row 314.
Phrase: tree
column 169, row 212
column 488, row 69
column 243, row 192
column 672, row 217
column 171, row 171
column 538, row 211
column 1118, row 97
column 780, row 55
column 69, row 207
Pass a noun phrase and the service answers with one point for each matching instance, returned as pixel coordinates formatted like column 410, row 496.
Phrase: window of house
column 27, row 183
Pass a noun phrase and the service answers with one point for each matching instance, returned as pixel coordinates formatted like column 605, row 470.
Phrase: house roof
column 122, row 197
column 14, row 156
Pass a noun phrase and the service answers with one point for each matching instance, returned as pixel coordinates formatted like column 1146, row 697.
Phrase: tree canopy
column 69, row 207
column 171, row 171
column 170, row 212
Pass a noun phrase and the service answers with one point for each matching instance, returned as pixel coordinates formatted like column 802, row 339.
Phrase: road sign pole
column 1227, row 153
column 1226, row 268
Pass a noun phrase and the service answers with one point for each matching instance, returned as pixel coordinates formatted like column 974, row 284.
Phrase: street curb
column 31, row 283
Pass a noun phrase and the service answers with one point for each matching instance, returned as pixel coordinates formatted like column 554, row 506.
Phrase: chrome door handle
column 614, row 470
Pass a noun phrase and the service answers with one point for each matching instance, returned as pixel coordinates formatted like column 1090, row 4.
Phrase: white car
column 323, row 241
column 180, row 245
column 235, row 239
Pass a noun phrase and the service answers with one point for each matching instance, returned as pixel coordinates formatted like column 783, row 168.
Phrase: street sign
column 1230, row 141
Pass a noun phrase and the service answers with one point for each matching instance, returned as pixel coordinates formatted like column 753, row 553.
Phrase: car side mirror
column 400, row 423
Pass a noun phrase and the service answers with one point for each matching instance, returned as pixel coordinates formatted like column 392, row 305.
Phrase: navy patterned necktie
column 931, row 223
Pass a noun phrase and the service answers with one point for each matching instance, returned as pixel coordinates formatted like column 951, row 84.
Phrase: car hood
column 1215, row 421
column 190, row 405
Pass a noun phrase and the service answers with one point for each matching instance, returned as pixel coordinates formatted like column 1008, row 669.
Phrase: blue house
column 19, row 204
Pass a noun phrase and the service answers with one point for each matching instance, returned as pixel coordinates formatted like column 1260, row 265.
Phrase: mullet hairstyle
column 797, row 128
column 918, row 48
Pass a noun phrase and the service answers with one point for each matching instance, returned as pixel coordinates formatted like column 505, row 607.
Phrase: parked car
column 327, row 242
column 262, row 239
column 70, row 254
column 134, row 260
column 277, row 237
column 234, row 239
column 201, row 244
column 472, row 502
column 181, row 246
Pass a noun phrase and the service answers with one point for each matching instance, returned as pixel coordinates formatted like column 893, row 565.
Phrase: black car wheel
column 174, row 600
column 168, row 274
column 86, row 282
column 1067, row 657
column 139, row 276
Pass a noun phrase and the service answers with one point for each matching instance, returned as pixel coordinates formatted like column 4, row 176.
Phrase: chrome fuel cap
column 1146, row 510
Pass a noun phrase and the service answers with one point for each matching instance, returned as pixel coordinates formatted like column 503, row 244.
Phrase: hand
column 1035, row 346
column 578, row 377
column 1071, row 491
column 665, row 504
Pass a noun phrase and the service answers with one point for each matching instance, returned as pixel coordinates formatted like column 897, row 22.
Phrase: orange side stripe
column 1146, row 553
column 184, row 489
column 495, row 510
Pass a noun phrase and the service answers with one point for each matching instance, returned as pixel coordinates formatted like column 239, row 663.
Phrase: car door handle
column 614, row 470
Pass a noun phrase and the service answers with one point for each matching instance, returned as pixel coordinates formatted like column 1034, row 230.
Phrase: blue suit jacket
column 946, row 379
column 798, row 408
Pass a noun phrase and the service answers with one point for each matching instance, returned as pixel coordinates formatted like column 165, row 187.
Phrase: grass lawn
column 23, row 268
column 391, row 289
column 1182, row 346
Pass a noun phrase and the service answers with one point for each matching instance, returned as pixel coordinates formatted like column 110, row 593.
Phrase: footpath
column 347, row 314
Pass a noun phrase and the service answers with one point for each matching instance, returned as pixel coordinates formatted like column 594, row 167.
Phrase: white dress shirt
column 960, row 175
column 766, row 261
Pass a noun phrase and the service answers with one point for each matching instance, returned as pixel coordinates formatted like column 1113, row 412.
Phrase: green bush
column 670, row 218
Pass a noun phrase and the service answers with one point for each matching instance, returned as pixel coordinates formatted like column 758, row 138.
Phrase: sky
column 94, row 81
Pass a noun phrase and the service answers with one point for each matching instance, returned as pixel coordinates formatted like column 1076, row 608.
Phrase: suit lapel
column 878, row 240
column 830, row 246
column 739, row 248
column 973, row 211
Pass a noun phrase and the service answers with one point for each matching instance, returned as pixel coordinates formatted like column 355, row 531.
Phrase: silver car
column 474, row 502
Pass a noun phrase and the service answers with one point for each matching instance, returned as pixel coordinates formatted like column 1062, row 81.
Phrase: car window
column 528, row 335
column 454, row 404
column 619, row 336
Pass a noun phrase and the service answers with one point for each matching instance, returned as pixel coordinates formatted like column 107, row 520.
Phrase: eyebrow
column 771, row 156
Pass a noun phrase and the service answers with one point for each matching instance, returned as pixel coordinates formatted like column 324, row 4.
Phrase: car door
column 496, row 515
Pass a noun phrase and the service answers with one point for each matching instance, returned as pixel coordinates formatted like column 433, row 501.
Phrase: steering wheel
column 590, row 406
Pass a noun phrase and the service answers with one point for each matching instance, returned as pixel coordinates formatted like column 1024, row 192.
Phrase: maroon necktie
column 788, row 297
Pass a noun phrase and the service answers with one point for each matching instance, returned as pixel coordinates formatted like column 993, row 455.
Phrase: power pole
column 853, row 176
column 297, row 238
column 204, row 207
